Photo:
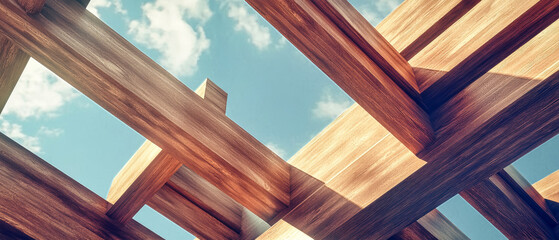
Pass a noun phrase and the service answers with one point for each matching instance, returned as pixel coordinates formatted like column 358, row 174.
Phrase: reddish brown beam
column 43, row 203
column 510, row 203
column 364, row 79
column 77, row 46
column 12, row 63
column 31, row 6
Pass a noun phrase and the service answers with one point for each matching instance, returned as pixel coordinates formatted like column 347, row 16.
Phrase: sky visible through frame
column 275, row 93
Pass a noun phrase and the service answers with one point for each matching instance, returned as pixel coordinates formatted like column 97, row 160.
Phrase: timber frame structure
column 448, row 94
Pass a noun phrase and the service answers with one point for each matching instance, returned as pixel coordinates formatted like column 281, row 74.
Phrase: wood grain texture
column 142, row 176
column 477, row 42
column 548, row 187
column 79, row 48
column 341, row 171
column 434, row 225
column 372, row 43
column 505, row 205
column 12, row 63
column 150, row 168
column 32, row 6
column 189, row 216
column 494, row 121
column 41, row 202
column 325, row 44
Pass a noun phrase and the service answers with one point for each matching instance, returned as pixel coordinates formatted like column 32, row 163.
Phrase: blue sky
column 275, row 93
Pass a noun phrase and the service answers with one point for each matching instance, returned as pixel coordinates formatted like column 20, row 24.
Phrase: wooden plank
column 354, row 149
column 78, row 47
column 189, row 216
column 434, row 225
column 481, row 130
column 41, row 202
column 372, row 43
column 31, row 6
column 510, row 208
column 150, row 168
column 212, row 93
column 548, row 187
column 477, row 42
column 337, row 55
column 142, row 176
column 12, row 63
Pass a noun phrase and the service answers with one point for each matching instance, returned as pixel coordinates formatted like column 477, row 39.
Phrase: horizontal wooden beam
column 360, row 70
column 69, row 41
column 41, row 202
column 512, row 205
column 150, row 167
column 480, row 131
column 12, row 63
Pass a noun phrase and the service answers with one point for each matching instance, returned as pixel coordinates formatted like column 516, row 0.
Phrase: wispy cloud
column 276, row 149
column 115, row 5
column 164, row 28
column 375, row 11
column 330, row 106
column 38, row 93
column 15, row 132
column 248, row 22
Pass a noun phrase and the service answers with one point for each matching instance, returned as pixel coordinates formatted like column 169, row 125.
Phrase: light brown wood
column 12, row 63
column 82, row 50
column 481, row 130
column 41, row 202
column 505, row 200
column 150, row 168
column 142, row 176
column 189, row 216
column 340, row 172
column 213, row 94
column 548, row 187
column 337, row 55
column 434, row 225
column 31, row 6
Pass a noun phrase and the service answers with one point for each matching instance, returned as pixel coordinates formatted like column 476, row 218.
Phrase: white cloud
column 329, row 107
column 276, row 149
column 164, row 28
column 247, row 22
column 14, row 131
column 375, row 11
column 50, row 132
column 39, row 92
column 116, row 5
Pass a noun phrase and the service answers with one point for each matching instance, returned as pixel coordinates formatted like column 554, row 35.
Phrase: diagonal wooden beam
column 512, row 205
column 367, row 71
column 31, row 6
column 481, row 130
column 150, row 167
column 12, row 63
column 40, row 202
column 69, row 41
column 548, row 187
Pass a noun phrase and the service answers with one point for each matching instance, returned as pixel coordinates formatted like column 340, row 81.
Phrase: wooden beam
column 69, row 41
column 512, row 205
column 41, row 202
column 12, row 63
column 434, row 225
column 355, row 71
column 354, row 149
column 31, row 6
column 142, row 176
column 481, row 130
column 473, row 51
column 548, row 187
column 150, row 168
